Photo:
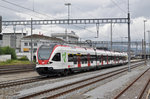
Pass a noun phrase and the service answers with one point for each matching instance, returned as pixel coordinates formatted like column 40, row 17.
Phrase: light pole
column 68, row 5
column 129, row 41
column 144, row 43
column 14, row 27
column 149, row 42
column 111, row 36
column 31, row 40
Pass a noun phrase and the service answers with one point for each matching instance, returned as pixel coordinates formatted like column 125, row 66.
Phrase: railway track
column 23, row 68
column 16, row 69
column 11, row 83
column 68, row 88
column 139, row 85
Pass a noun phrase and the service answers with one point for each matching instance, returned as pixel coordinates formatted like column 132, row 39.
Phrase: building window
column 35, row 44
column 25, row 44
column 29, row 44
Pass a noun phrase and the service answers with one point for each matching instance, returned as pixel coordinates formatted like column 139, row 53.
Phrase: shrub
column 1, row 51
column 8, row 50
column 24, row 58
column 9, row 61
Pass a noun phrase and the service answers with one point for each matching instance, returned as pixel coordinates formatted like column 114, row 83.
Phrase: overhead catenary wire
column 119, row 7
column 26, row 8
column 37, row 13
column 18, row 11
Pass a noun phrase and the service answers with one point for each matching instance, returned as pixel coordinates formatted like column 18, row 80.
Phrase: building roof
column 36, row 36
column 72, row 34
column 13, row 33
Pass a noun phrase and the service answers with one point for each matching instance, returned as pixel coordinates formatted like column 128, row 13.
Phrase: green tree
column 8, row 50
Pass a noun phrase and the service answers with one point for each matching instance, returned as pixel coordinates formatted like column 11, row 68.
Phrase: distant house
column 37, row 40
column 13, row 40
column 66, row 36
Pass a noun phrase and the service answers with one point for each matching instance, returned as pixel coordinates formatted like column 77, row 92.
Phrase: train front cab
column 47, row 59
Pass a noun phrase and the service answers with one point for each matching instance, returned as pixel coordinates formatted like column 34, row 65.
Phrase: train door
column 107, row 59
column 115, row 59
column 88, row 59
column 102, row 60
column 79, row 60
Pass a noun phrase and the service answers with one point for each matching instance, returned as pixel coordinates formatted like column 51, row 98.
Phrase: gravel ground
column 8, row 93
column 111, row 89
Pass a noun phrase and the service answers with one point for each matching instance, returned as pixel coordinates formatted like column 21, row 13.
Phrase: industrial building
column 13, row 40
column 68, row 37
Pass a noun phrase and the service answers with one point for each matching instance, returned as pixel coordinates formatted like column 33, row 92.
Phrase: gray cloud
column 82, row 9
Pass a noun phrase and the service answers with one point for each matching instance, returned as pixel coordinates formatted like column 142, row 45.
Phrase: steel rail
column 144, row 89
column 16, row 69
column 116, row 97
column 20, row 81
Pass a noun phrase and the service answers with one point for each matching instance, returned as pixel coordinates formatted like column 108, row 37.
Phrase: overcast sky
column 55, row 9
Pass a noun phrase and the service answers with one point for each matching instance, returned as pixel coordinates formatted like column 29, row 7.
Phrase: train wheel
column 66, row 72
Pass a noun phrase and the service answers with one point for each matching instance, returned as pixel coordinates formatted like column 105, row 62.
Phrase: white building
column 66, row 36
column 13, row 40
column 37, row 40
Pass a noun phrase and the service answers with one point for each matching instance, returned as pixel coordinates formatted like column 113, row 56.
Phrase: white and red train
column 64, row 59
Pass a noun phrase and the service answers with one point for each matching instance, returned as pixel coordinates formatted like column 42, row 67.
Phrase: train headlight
column 50, row 68
column 50, row 62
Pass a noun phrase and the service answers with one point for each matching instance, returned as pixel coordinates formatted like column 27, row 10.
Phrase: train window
column 57, row 57
column 113, row 58
column 99, row 58
column 45, row 51
column 70, row 58
column 82, row 59
column 117, row 58
column 75, row 59
column 105, row 58
column 93, row 57
column 109, row 58
column 85, row 59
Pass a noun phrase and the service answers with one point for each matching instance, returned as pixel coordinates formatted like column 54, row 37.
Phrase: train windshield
column 45, row 51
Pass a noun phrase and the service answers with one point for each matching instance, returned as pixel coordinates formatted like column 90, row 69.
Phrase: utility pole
column 68, row 5
column 97, row 30
column 136, row 48
column 142, row 49
column 31, row 40
column 14, row 27
column 149, row 42
column 144, row 43
column 129, row 41
column 111, row 35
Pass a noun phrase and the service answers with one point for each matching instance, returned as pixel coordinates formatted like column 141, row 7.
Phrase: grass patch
column 14, row 62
